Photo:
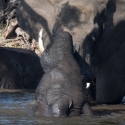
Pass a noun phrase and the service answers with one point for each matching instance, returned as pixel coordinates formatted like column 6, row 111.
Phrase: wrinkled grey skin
column 97, row 29
column 93, row 25
column 80, row 19
column 108, row 59
column 19, row 69
column 77, row 17
column 36, row 15
column 61, row 91
column 42, row 14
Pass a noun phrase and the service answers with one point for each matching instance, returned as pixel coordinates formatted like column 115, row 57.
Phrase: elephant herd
column 83, row 42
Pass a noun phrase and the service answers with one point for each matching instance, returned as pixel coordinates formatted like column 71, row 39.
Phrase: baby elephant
column 61, row 91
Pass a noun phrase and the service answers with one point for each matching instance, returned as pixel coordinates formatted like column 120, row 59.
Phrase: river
column 15, row 107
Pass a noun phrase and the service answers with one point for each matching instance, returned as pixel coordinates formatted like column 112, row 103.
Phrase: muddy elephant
column 19, row 69
column 81, row 19
column 61, row 91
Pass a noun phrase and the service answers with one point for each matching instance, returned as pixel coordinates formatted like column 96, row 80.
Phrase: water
column 15, row 107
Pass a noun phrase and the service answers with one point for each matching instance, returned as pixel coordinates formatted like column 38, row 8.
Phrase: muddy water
column 15, row 107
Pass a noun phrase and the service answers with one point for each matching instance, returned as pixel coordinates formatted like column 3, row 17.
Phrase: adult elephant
column 61, row 91
column 19, row 69
column 77, row 17
column 36, row 15
column 108, row 59
column 81, row 19
column 92, row 25
column 40, row 14
column 97, row 32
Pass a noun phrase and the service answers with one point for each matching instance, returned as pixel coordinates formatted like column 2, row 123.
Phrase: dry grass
column 2, row 27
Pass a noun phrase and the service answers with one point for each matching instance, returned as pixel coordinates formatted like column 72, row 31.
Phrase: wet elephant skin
column 61, row 91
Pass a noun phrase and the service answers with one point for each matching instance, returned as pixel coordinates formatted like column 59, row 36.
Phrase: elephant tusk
column 40, row 40
column 87, row 85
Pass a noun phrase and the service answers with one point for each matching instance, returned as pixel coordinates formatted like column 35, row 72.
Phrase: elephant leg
column 61, row 106
column 86, row 110
column 41, row 109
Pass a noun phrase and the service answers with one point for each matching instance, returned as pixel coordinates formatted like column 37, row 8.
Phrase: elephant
column 40, row 16
column 94, row 27
column 81, row 19
column 108, row 58
column 61, row 91
column 19, row 69
column 33, row 16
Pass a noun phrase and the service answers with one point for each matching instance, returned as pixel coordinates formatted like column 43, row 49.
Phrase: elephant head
column 79, row 19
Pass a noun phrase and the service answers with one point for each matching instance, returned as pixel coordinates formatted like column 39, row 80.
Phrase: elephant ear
column 86, row 110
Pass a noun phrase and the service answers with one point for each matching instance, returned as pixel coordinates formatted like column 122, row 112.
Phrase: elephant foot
column 86, row 110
